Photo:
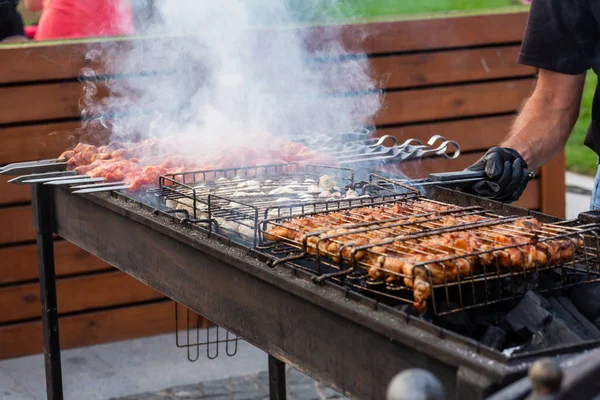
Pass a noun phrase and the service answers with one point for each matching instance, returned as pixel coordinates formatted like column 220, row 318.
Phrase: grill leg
column 43, row 219
column 277, row 389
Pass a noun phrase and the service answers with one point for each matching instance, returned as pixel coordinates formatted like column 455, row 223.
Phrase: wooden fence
column 456, row 77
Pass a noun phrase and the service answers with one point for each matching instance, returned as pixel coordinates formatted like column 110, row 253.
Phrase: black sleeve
column 560, row 36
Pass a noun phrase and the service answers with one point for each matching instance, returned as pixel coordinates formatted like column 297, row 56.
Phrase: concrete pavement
column 153, row 368
column 579, row 193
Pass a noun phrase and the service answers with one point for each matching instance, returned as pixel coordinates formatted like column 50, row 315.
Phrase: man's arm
column 539, row 133
column 547, row 118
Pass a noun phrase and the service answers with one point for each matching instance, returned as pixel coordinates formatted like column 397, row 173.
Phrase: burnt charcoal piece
column 597, row 322
column 494, row 337
column 554, row 333
column 587, row 300
column 458, row 321
column 577, row 322
column 410, row 310
column 529, row 316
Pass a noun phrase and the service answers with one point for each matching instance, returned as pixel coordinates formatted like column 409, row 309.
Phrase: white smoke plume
column 229, row 72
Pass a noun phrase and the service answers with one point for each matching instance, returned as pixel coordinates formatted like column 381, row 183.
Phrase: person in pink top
column 63, row 19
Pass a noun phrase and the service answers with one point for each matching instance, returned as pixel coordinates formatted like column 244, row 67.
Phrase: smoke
column 212, row 75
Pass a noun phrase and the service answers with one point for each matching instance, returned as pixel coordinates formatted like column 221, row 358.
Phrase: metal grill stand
column 309, row 325
column 43, row 221
column 277, row 387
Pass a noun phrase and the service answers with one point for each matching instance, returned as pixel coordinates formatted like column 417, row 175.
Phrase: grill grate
column 234, row 200
column 414, row 250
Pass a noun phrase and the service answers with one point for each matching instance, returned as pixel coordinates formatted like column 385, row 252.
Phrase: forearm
column 544, row 124
column 540, row 132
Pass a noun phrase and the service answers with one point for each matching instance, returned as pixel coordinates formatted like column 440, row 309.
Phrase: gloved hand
column 506, row 173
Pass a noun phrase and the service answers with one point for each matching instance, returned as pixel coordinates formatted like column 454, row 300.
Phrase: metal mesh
column 232, row 201
column 419, row 251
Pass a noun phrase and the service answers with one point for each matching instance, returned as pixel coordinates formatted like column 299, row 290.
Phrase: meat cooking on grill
column 140, row 164
column 433, row 247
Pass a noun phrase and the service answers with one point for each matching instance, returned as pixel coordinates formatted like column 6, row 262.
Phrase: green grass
column 365, row 9
column 579, row 158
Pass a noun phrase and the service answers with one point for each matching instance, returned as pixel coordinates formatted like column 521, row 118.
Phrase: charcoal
column 458, row 321
column 587, row 300
column 494, row 337
column 597, row 323
column 555, row 332
column 409, row 309
column 577, row 322
column 529, row 316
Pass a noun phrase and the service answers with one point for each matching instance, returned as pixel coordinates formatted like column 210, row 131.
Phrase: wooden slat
column 471, row 134
column 19, row 263
column 21, row 302
column 42, row 62
column 90, row 328
column 51, row 101
column 36, row 142
column 531, row 197
column 447, row 67
column 554, row 187
column 400, row 36
column 38, row 61
column 60, row 61
column 453, row 101
column 10, row 194
column 17, row 225
column 390, row 72
column 40, row 102
column 430, row 68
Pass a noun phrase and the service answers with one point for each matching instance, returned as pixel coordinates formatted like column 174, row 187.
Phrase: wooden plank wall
column 453, row 76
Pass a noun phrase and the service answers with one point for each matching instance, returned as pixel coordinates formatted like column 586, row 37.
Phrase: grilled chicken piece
column 438, row 259
column 66, row 155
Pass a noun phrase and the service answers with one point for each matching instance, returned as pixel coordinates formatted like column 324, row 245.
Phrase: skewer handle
column 464, row 175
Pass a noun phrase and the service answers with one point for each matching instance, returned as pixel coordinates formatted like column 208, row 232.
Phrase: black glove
column 506, row 173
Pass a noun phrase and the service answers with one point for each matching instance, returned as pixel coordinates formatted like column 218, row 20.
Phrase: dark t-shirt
column 564, row 36
column 11, row 23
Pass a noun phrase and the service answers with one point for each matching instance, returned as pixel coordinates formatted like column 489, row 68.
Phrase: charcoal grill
column 305, row 312
column 220, row 199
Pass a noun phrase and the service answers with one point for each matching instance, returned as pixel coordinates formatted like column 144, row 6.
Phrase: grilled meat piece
column 151, row 160
column 418, row 261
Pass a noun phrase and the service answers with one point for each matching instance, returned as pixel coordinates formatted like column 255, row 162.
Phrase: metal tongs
column 453, row 180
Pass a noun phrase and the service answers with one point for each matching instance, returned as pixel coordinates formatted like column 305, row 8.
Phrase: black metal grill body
column 345, row 340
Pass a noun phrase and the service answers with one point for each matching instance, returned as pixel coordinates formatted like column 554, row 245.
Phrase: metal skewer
column 102, row 189
column 74, row 181
column 31, row 168
column 23, row 178
column 58, row 178
column 97, row 185
column 31, row 163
